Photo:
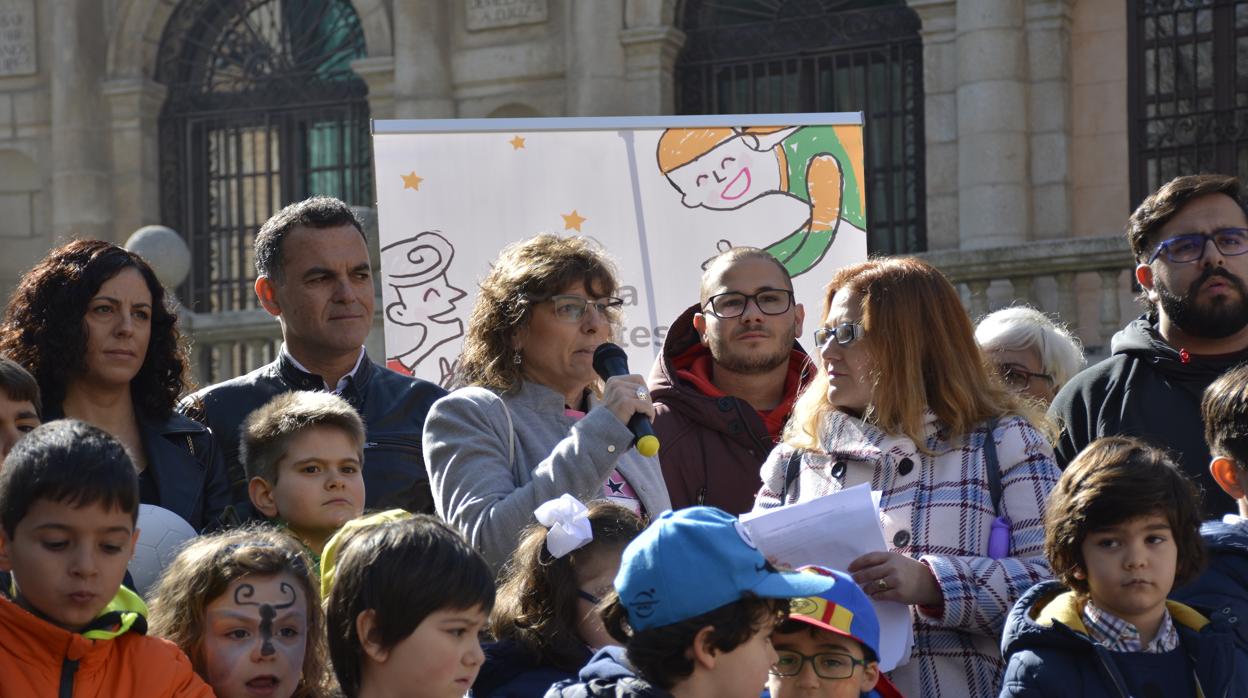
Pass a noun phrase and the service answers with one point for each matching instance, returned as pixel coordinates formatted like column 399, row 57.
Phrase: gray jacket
column 490, row 497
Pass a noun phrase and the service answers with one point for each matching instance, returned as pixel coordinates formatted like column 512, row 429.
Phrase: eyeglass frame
column 586, row 596
column 857, row 332
column 1003, row 369
column 853, row 664
column 709, row 306
column 602, row 305
column 1164, row 245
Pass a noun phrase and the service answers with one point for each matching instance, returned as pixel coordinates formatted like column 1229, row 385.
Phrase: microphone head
column 606, row 353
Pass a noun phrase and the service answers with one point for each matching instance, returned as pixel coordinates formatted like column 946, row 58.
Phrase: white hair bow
column 568, row 521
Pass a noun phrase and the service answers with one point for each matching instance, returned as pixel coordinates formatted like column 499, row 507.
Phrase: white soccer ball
column 161, row 535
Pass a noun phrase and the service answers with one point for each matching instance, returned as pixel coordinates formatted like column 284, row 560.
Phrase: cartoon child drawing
column 415, row 270
column 727, row 168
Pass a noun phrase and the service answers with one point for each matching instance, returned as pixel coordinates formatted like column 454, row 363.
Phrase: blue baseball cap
column 843, row 609
column 694, row 560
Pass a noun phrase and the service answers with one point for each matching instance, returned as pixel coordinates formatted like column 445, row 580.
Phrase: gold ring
column 881, row 585
column 641, row 394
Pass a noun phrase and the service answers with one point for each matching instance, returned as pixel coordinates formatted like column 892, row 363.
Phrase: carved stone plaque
column 17, row 38
column 492, row 14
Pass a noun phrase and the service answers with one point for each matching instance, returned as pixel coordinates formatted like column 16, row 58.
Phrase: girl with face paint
column 244, row 607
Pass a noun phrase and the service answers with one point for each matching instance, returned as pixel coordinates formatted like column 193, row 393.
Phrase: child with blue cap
column 695, row 604
column 830, row 645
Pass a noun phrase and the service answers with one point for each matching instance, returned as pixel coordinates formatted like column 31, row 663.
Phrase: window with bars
column 768, row 56
column 263, row 110
column 1187, row 85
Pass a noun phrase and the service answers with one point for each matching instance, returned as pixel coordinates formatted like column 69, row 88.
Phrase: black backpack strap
column 790, row 473
column 993, row 466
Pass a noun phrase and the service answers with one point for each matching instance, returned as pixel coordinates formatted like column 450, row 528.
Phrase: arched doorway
column 263, row 109
column 772, row 56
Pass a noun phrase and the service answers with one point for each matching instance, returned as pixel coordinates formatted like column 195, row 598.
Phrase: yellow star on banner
column 411, row 181
column 516, row 143
column 573, row 221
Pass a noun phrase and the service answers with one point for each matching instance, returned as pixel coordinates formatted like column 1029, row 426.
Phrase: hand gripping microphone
column 610, row 360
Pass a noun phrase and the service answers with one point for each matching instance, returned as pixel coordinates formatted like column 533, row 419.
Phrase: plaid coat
column 938, row 509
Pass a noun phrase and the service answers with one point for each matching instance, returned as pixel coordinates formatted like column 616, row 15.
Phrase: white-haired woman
column 1034, row 355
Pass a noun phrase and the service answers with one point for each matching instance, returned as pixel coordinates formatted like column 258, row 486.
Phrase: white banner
column 661, row 194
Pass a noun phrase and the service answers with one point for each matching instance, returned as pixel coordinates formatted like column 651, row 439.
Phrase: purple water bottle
column 999, row 538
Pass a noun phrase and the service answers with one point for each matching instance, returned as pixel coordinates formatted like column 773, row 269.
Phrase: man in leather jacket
column 314, row 276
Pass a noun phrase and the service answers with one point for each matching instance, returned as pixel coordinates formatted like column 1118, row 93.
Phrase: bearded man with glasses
column 1189, row 238
column 726, row 380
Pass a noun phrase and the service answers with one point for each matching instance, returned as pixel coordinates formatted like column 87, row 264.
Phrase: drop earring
column 515, row 358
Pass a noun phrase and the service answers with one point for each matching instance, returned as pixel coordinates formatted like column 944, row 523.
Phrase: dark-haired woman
column 90, row 322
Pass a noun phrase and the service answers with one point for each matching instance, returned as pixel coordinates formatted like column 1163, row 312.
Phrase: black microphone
column 610, row 360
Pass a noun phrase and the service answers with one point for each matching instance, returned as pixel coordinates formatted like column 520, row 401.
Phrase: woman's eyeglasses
column 1018, row 378
column 827, row 665
column 844, row 334
column 572, row 308
column 1190, row 247
column 588, row 597
column 732, row 304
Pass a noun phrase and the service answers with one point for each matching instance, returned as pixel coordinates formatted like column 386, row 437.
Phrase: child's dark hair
column 1225, row 412
column 1113, row 480
column 17, row 383
column 405, row 570
column 537, row 593
column 660, row 654
column 67, row 461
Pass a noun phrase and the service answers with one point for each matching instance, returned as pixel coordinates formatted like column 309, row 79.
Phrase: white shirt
column 342, row 382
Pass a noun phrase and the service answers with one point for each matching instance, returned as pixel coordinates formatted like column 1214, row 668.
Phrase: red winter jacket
column 712, row 444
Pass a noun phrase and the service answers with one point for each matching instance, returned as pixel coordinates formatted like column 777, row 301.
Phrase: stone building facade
column 1024, row 109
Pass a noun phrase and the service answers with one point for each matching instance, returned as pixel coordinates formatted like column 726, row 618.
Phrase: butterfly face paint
column 256, row 637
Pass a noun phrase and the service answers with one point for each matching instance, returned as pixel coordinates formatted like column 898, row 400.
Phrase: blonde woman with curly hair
column 245, row 607
column 532, row 419
column 906, row 402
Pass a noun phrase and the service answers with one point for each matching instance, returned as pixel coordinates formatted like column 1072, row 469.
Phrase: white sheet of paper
column 833, row 531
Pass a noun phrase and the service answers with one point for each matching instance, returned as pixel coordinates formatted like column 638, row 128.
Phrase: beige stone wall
column 1099, row 167
column 1025, row 108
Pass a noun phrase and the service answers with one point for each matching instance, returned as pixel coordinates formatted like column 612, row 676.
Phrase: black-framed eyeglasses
column 845, row 334
column 1190, row 247
column 772, row 301
column 581, row 593
column 1018, row 378
column 570, row 308
column 827, row 665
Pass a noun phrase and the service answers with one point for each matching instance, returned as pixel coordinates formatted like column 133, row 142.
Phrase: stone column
column 1049, row 115
column 595, row 60
column 81, row 187
column 994, row 203
column 940, row 118
column 422, row 74
column 650, row 66
column 378, row 73
column 134, row 110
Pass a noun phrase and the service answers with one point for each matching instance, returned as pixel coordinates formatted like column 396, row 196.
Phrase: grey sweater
column 489, row 499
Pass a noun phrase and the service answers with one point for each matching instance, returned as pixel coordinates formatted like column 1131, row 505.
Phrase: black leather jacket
column 392, row 405
column 187, row 465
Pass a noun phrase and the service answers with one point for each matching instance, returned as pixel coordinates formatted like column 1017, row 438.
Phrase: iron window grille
column 1187, row 85
column 263, row 109
column 766, row 56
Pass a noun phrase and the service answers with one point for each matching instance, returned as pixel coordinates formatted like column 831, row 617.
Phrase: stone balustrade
column 1052, row 275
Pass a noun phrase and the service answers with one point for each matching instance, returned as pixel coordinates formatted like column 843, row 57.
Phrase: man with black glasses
column 1189, row 239
column 725, row 383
